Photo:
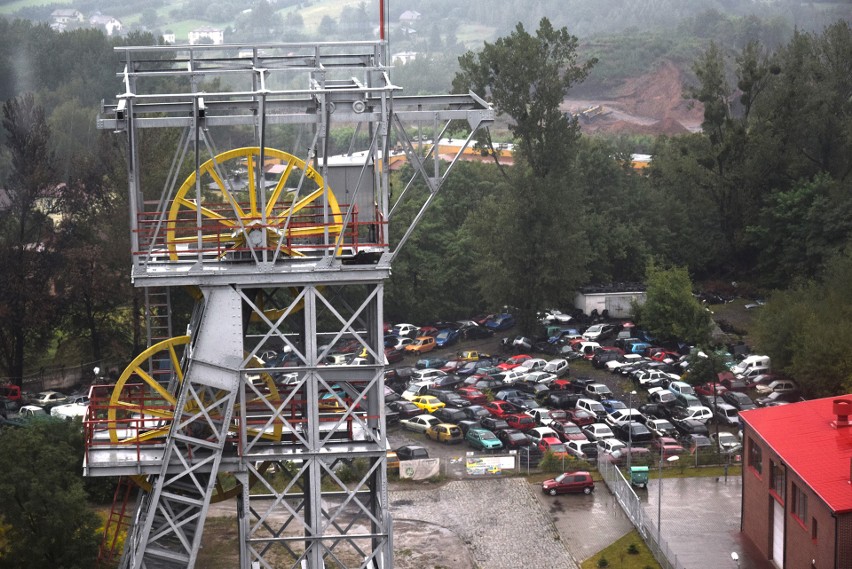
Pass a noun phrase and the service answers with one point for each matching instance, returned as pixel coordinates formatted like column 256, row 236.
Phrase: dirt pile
column 648, row 104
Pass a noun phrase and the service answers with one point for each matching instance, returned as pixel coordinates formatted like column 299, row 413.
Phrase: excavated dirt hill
column 649, row 104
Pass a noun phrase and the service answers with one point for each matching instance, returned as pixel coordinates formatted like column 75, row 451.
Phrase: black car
column 654, row 410
column 602, row 356
column 391, row 417
column 512, row 438
column 447, row 382
column 466, row 425
column 633, row 432
column 578, row 384
column 740, row 401
column 475, row 412
column 449, row 415
column 779, row 398
column 477, row 333
column 405, row 409
column 688, row 427
column 493, row 424
column 560, row 400
column 412, row 452
column 449, row 398
column 523, row 403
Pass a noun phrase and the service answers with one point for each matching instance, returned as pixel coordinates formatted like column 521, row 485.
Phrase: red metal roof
column 803, row 436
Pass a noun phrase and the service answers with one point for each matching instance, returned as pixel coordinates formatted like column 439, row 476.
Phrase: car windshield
column 487, row 435
column 557, row 448
column 571, row 430
column 561, row 477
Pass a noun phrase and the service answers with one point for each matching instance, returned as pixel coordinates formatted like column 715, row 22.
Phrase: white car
column 427, row 374
column 614, row 365
column 555, row 316
column 419, row 423
column 597, row 431
column 727, row 442
column 661, row 428
column 557, row 367
column 46, row 398
column 533, row 364
column 624, row 416
column 538, row 433
column 610, row 445
column 540, row 377
column 409, row 330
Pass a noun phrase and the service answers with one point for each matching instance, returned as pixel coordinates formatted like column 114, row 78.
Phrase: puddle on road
column 557, row 506
column 402, row 503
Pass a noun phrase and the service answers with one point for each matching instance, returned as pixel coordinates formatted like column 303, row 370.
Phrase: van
column 753, row 372
column 592, row 406
column 415, row 389
column 751, row 362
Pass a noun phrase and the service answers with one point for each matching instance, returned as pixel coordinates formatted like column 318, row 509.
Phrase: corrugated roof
column 803, row 437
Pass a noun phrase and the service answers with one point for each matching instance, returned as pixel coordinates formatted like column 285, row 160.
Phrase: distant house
column 212, row 35
column 111, row 25
column 403, row 57
column 408, row 17
column 169, row 37
column 66, row 16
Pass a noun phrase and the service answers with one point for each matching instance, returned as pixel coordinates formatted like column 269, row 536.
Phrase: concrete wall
column 619, row 304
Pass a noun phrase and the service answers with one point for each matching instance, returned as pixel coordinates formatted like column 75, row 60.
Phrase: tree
column 527, row 77
column 26, row 234
column 670, row 311
column 47, row 520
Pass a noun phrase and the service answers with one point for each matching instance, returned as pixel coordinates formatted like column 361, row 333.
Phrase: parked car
column 726, row 442
column 430, row 362
column 512, row 438
column 587, row 451
column 472, row 395
column 475, row 412
column 450, row 415
column 419, row 423
column 411, row 452
column 681, row 388
column 661, row 428
column 740, row 401
column 501, row 408
column 777, row 386
column 447, row 337
column 597, row 431
column 493, row 424
column 522, row 422
column 48, row 399
column 421, row 345
column 444, row 433
column 537, row 434
column 450, row 398
column 500, row 322
column 599, row 332
column 483, row 439
column 558, row 367
column 633, row 432
column 622, row 416
column 592, row 406
column 581, row 417
column 610, row 445
column 778, row 398
column 514, row 362
column 598, row 391
column 428, row 403
column 688, row 427
column 405, row 330
column 405, row 409
column 661, row 397
column 700, row 413
column 669, row 446
column 393, row 355
column 725, row 414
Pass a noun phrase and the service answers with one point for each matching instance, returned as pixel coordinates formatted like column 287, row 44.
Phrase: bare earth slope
column 649, row 104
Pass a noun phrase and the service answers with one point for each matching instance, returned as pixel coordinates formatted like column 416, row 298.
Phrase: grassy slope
column 13, row 7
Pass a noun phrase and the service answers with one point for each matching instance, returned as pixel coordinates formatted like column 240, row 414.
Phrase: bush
column 633, row 549
column 602, row 562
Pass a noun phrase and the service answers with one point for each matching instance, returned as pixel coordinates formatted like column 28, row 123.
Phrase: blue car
column 500, row 322
column 447, row 337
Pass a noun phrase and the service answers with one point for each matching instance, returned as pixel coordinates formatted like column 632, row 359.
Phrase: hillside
column 650, row 103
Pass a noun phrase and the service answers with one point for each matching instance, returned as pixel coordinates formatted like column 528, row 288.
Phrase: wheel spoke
column 205, row 212
column 238, row 211
column 279, row 187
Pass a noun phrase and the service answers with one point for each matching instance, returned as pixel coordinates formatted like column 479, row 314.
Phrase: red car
column 708, row 388
column 581, row 417
column 501, row 409
column 568, row 431
column 561, row 385
column 555, row 446
column 392, row 355
column 522, row 422
column 668, row 446
column 472, row 394
column 569, row 482
column 513, row 362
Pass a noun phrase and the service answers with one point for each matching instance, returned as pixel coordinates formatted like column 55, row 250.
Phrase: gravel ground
column 501, row 522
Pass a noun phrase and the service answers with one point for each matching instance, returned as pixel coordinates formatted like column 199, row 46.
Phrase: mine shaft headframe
column 312, row 85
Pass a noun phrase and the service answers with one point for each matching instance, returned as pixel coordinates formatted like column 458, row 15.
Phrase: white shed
column 615, row 299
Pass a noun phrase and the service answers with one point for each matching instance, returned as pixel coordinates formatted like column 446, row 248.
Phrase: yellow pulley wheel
column 231, row 215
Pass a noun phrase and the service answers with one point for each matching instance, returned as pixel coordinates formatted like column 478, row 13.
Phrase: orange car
column 421, row 345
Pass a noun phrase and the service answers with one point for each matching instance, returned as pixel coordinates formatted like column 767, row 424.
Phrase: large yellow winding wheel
column 295, row 209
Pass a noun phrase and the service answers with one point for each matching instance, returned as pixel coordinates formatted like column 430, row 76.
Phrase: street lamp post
column 673, row 458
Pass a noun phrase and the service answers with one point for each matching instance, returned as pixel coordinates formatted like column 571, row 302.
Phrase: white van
column 753, row 372
column 557, row 367
column 751, row 362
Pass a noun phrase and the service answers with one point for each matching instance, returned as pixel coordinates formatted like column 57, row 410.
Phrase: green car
column 482, row 439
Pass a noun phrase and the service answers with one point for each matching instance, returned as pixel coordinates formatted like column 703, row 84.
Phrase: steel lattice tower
column 287, row 254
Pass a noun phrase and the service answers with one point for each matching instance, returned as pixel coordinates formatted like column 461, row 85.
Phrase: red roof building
column 797, row 483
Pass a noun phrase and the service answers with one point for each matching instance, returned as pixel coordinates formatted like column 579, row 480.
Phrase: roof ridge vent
column 842, row 408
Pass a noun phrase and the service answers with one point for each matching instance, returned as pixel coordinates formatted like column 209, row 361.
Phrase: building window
column 755, row 456
column 778, row 480
column 813, row 529
column 799, row 507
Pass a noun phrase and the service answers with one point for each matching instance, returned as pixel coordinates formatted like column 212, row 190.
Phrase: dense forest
column 760, row 196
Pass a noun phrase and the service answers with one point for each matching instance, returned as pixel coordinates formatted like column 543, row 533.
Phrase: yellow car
column 421, row 345
column 444, row 433
column 428, row 403
column 469, row 356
